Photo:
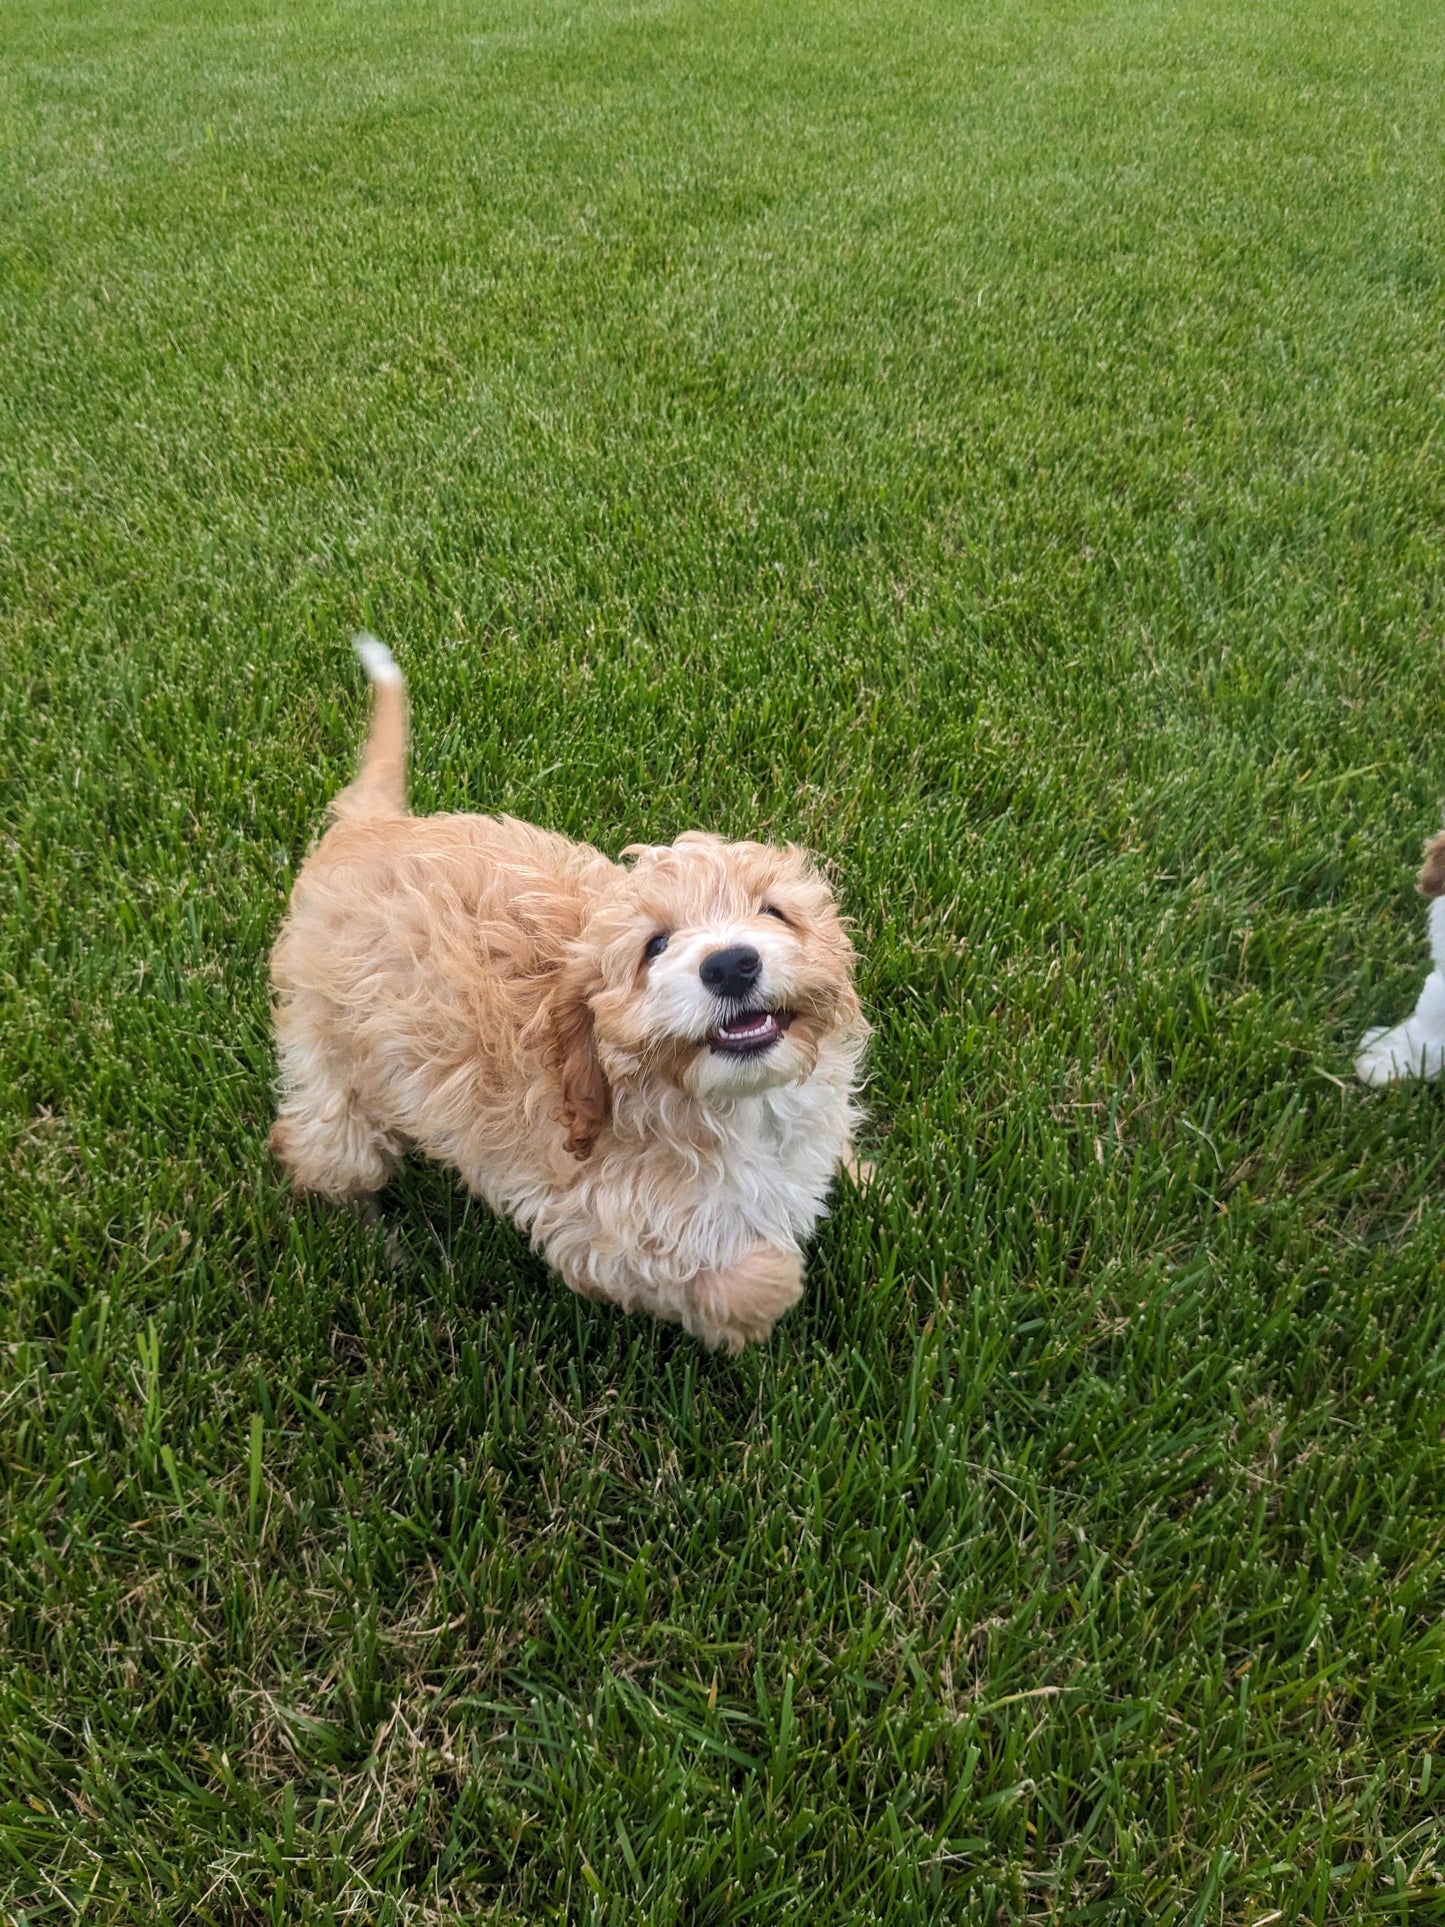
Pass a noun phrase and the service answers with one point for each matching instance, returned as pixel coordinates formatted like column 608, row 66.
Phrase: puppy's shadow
column 437, row 1236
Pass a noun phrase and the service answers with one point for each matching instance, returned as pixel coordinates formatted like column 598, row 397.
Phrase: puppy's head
column 719, row 969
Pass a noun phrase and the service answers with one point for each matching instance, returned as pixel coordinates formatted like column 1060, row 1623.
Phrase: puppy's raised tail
column 380, row 786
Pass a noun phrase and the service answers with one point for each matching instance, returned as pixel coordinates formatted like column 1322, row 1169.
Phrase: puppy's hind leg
column 862, row 1171
column 323, row 1136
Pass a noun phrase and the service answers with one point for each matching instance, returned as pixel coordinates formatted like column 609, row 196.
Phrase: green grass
column 1000, row 444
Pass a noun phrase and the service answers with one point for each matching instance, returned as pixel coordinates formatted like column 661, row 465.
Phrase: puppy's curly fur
column 650, row 1067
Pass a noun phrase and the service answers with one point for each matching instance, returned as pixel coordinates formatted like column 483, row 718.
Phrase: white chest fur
column 673, row 1191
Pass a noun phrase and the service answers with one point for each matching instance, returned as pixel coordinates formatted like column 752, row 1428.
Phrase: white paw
column 1386, row 1055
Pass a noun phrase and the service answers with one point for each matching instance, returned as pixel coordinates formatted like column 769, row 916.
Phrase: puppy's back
column 379, row 896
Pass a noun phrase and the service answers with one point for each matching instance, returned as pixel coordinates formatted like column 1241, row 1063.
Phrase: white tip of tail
column 376, row 658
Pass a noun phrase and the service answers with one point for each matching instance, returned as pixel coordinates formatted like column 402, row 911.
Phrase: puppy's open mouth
column 751, row 1032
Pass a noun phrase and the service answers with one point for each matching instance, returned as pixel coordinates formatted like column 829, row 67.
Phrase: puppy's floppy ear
column 572, row 1052
column 1432, row 876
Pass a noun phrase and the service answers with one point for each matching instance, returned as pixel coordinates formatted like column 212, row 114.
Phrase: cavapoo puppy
column 1415, row 1048
column 650, row 1067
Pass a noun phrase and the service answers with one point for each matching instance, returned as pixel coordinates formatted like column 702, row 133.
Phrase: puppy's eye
column 656, row 946
column 770, row 911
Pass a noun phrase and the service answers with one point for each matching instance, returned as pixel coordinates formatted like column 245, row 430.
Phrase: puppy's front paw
column 1386, row 1055
column 740, row 1305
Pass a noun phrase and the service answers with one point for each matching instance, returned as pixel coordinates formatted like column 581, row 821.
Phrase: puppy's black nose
column 731, row 972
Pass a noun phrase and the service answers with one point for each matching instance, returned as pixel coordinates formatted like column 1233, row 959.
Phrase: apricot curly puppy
column 649, row 1067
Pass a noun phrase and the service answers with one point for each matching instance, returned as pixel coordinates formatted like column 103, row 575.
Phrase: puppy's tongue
column 751, row 1029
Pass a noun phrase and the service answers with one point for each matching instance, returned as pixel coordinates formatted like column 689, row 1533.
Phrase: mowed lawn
column 999, row 444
